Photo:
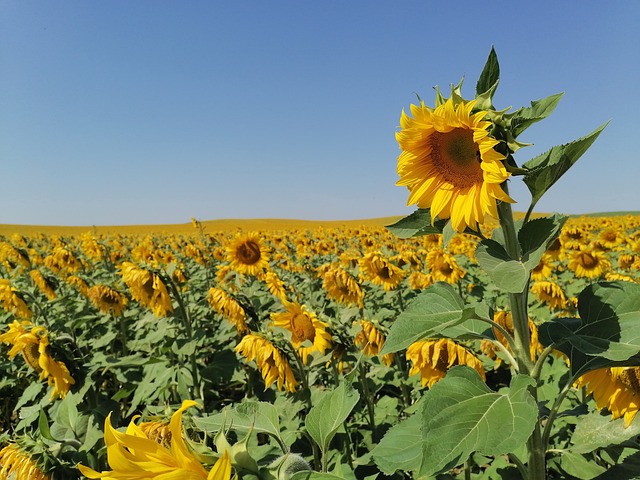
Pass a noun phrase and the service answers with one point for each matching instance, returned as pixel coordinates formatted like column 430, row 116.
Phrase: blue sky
column 143, row 112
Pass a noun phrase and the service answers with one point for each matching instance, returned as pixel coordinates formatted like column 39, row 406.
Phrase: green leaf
column 536, row 236
column 416, row 225
column 328, row 415
column 314, row 476
column 461, row 415
column 579, row 467
column 546, row 169
column 523, row 118
column 437, row 310
column 594, row 431
column 43, row 426
column 629, row 469
column 490, row 75
column 608, row 331
column 401, row 447
column 508, row 274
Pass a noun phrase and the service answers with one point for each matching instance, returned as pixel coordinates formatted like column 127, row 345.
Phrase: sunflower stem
column 367, row 396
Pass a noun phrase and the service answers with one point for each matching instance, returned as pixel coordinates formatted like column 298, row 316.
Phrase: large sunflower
column 449, row 164
column 271, row 362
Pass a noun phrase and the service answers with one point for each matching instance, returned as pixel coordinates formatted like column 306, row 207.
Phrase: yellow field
column 209, row 225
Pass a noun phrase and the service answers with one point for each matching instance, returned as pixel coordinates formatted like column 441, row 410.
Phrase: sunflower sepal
column 518, row 121
column 489, row 77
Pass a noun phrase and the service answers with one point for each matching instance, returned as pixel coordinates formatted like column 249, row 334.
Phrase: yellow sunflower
column 589, row 262
column 133, row 454
column 432, row 358
column 305, row 328
column 276, row 286
column 226, row 305
column 551, row 293
column 342, row 287
column 505, row 320
column 626, row 260
column 449, row 164
column 380, row 271
column 544, row 269
column 107, row 300
column 147, row 288
column 16, row 464
column 371, row 340
column 33, row 343
column 617, row 389
column 419, row 280
column 248, row 255
column 12, row 300
column 444, row 267
column 271, row 362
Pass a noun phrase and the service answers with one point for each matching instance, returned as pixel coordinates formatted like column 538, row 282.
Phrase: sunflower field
column 459, row 342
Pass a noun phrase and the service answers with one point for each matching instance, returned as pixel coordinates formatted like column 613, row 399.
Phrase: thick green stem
column 537, row 449
column 367, row 396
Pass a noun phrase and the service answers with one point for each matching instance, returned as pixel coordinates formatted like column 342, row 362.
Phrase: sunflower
column 33, row 343
column 610, row 238
column 16, row 464
column 626, row 260
column 616, row 388
column 62, row 260
column 133, row 454
column 147, row 288
column 380, row 271
column 12, row 300
column 370, row 340
column 544, row 269
column 419, row 280
column 107, row 300
column 432, row 358
column 248, row 255
column 444, row 267
column 229, row 308
column 573, row 237
column 551, row 293
column 79, row 283
column 276, row 286
column 588, row 262
column 342, row 287
column 271, row 362
column 304, row 327
column 505, row 320
column 449, row 164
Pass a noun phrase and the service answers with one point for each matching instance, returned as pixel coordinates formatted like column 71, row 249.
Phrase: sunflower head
column 449, row 164
column 248, row 255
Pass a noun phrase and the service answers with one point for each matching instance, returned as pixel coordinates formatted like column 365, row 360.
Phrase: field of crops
column 276, row 334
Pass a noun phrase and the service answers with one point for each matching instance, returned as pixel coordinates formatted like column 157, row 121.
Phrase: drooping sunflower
column 107, row 300
column 449, row 164
column 380, row 271
column 617, row 389
column 147, row 288
column 12, row 301
column 371, row 340
column 229, row 308
column 33, row 343
column 505, row 320
column 432, row 358
column 444, row 267
column 589, row 262
column 276, row 286
column 272, row 363
column 305, row 329
column 342, row 287
column 551, row 293
column 134, row 455
column 248, row 255
column 16, row 464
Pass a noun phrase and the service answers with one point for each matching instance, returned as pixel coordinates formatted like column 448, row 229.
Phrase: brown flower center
column 249, row 253
column 302, row 327
column 31, row 356
column 588, row 261
column 630, row 378
column 456, row 157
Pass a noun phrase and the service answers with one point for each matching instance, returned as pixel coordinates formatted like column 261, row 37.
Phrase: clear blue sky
column 130, row 112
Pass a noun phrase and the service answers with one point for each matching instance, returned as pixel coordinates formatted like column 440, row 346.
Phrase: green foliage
column 417, row 224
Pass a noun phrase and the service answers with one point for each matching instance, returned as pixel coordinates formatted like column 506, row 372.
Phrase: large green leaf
column 536, row 235
column 416, row 225
column 596, row 430
column 524, row 117
column 437, row 310
column 461, row 415
column 546, row 169
column 401, row 447
column 328, row 415
column 508, row 274
column 608, row 331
